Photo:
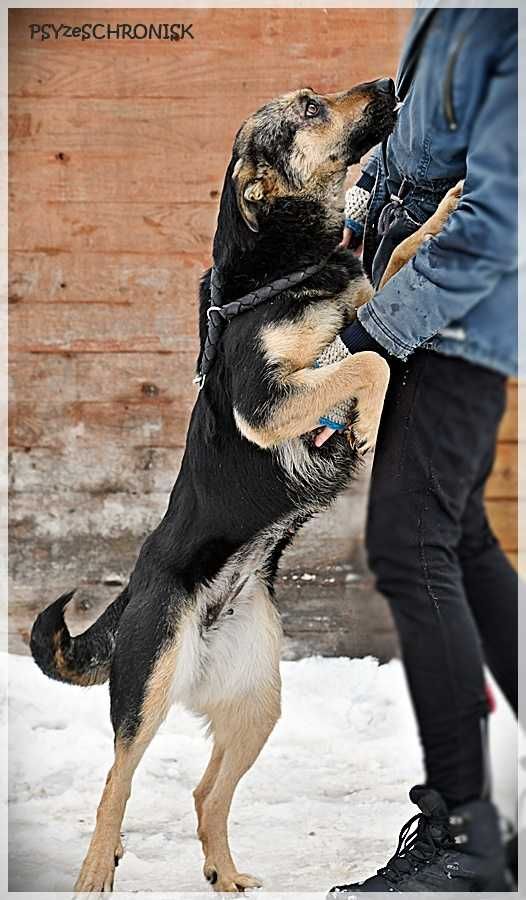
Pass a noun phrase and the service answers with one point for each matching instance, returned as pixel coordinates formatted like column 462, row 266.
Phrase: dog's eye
column 312, row 109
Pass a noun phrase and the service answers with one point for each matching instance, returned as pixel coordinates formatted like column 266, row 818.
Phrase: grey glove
column 340, row 416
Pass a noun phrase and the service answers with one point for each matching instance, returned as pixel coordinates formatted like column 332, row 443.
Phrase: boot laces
column 417, row 847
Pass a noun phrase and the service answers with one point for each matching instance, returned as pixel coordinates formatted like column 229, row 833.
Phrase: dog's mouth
column 377, row 123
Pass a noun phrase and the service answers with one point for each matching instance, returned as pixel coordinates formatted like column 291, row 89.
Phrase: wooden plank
column 80, row 177
column 104, row 127
column 78, row 537
column 87, row 424
column 502, row 483
column 103, row 327
column 503, row 516
column 145, row 377
column 80, row 150
column 143, row 228
column 266, row 25
column 509, row 426
column 106, row 469
column 105, row 278
column 78, row 516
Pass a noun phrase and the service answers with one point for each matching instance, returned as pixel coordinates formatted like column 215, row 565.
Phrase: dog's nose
column 384, row 86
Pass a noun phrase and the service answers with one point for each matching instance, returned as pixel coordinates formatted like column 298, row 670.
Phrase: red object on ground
column 490, row 696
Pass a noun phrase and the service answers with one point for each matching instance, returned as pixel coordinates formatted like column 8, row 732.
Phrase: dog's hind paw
column 230, row 882
column 96, row 876
column 245, row 882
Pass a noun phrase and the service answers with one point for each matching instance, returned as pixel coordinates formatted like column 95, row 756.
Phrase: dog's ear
column 250, row 191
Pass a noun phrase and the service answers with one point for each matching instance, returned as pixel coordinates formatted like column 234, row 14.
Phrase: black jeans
column 452, row 592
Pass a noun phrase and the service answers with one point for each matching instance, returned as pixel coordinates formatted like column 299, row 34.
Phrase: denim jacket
column 459, row 120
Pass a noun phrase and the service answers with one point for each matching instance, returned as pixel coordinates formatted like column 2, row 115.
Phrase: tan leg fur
column 407, row 249
column 98, row 869
column 241, row 728
column 364, row 376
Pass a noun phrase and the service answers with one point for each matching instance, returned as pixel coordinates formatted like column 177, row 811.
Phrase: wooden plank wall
column 502, row 487
column 117, row 155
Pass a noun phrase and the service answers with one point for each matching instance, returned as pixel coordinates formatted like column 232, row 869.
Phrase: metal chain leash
column 219, row 315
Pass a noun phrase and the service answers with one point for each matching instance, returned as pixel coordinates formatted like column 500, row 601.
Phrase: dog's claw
column 247, row 881
column 231, row 882
column 211, row 877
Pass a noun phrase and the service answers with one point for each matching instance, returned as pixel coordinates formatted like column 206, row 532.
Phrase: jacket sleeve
column 457, row 269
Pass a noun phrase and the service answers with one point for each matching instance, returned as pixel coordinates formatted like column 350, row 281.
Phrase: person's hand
column 323, row 435
column 346, row 240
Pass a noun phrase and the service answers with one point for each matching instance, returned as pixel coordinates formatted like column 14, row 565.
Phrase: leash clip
column 212, row 309
column 399, row 196
column 199, row 379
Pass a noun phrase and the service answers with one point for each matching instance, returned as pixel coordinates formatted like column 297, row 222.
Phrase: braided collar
column 220, row 314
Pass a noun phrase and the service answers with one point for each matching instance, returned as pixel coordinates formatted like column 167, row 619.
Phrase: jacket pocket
column 447, row 91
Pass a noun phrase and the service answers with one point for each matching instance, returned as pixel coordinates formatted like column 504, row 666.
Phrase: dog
column 198, row 621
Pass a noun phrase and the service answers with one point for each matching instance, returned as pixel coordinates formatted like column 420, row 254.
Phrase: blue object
column 329, row 423
column 356, row 227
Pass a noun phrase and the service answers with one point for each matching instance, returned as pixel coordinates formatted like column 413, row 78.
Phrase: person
column 447, row 324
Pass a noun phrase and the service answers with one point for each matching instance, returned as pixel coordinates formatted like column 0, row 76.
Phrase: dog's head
column 300, row 145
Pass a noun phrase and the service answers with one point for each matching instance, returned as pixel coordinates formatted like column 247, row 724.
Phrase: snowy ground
column 325, row 800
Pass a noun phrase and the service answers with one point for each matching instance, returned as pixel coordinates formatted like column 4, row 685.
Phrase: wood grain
column 114, row 228
column 40, row 277
column 509, row 428
column 99, row 470
column 88, row 424
column 69, row 377
column 103, row 327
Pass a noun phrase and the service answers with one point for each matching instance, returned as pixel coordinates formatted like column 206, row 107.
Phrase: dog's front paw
column 370, row 400
column 447, row 205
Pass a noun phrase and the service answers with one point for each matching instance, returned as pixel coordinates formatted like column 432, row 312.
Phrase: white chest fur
column 235, row 654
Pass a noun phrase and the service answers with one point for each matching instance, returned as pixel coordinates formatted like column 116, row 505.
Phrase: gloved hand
column 356, row 200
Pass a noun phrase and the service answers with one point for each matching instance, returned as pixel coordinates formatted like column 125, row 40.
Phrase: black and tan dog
column 198, row 622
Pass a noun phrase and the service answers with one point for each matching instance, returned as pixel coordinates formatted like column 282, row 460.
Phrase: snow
column 324, row 802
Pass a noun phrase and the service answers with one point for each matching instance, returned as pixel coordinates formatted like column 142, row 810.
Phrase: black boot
column 457, row 850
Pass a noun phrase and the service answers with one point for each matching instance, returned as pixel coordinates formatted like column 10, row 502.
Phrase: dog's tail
column 84, row 659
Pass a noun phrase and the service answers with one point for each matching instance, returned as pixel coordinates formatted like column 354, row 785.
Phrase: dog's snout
column 384, row 86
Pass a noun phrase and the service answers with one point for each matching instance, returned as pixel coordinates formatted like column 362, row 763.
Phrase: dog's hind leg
column 240, row 730
column 105, row 849
column 241, row 697
column 207, row 782
column 228, row 671
column 140, row 694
